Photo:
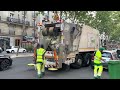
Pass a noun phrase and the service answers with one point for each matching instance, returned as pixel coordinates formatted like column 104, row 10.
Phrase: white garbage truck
column 69, row 45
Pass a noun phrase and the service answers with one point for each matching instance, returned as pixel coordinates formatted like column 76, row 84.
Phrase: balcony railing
column 17, row 21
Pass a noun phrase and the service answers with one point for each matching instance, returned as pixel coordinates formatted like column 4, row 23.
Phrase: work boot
column 98, row 77
column 43, row 73
column 95, row 77
column 39, row 76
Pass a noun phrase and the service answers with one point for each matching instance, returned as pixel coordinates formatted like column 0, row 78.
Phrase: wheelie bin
column 114, row 69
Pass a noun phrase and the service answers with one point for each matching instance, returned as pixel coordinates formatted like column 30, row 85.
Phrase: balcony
column 17, row 21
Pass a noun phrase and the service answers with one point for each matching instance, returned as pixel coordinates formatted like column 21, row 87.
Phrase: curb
column 21, row 56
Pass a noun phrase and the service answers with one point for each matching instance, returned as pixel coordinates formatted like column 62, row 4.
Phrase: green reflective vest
column 40, row 53
column 97, row 57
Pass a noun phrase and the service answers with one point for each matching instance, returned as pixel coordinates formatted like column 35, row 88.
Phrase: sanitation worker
column 40, row 60
column 98, row 68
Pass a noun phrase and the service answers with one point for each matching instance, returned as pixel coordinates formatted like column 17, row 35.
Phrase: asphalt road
column 20, row 70
column 13, row 55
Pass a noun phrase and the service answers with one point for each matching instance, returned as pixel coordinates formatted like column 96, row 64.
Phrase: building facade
column 11, row 27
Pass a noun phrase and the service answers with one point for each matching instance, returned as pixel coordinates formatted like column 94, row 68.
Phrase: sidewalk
column 19, row 54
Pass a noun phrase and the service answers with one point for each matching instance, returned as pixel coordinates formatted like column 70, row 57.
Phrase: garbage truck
column 69, row 45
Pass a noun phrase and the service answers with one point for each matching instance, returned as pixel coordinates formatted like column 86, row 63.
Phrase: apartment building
column 11, row 27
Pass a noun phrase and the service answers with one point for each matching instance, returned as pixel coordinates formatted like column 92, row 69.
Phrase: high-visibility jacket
column 97, row 57
column 40, row 53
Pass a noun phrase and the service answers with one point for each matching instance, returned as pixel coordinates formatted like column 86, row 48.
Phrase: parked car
column 107, row 55
column 5, row 62
column 13, row 49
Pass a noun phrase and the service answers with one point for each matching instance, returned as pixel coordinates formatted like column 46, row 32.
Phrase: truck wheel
column 87, row 60
column 65, row 67
column 78, row 62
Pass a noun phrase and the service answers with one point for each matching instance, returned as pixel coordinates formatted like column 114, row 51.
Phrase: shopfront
column 4, row 42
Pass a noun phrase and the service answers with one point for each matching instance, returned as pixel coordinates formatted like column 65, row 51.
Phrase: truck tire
column 78, row 62
column 87, row 60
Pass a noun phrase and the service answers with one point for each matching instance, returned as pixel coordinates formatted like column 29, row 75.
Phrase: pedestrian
column 40, row 60
column 98, row 68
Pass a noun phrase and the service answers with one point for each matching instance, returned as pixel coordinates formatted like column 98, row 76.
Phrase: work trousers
column 40, row 67
column 98, row 69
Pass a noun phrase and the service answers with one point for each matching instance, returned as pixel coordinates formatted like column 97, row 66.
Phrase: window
column 16, row 46
column 9, row 47
column 12, row 30
column 17, row 42
column 106, row 54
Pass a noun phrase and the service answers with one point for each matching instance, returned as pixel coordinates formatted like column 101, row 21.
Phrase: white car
column 14, row 49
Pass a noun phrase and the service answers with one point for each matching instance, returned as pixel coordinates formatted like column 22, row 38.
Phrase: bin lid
column 114, row 62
